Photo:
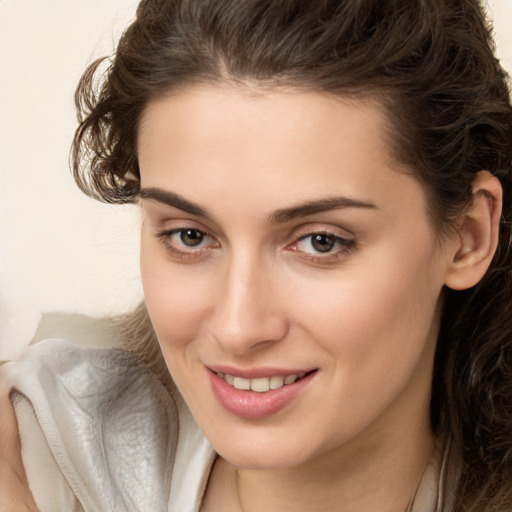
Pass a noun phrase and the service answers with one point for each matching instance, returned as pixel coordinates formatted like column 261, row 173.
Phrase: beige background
column 58, row 249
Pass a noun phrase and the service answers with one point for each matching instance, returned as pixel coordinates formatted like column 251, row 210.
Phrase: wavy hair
column 431, row 65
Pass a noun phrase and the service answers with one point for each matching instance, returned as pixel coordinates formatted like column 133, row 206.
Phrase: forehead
column 208, row 111
column 248, row 143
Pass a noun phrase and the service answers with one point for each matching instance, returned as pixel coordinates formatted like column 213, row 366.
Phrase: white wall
column 501, row 13
column 58, row 249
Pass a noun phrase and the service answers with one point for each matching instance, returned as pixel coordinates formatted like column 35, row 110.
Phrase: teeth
column 240, row 383
column 260, row 385
column 276, row 382
column 290, row 379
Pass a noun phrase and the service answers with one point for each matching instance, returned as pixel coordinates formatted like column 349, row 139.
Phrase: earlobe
column 478, row 234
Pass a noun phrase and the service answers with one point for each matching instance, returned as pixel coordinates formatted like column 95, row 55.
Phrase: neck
column 365, row 476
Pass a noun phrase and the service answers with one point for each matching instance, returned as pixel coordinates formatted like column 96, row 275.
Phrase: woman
column 325, row 194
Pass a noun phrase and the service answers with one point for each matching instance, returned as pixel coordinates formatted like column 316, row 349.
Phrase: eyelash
column 166, row 238
column 346, row 246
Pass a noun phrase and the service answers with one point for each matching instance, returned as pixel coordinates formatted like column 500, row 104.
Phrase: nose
column 248, row 314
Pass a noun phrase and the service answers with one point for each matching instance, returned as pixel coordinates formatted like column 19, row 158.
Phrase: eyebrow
column 318, row 206
column 278, row 217
column 175, row 201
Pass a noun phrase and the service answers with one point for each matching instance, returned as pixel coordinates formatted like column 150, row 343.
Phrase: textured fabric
column 43, row 466
column 435, row 489
column 111, row 428
column 100, row 433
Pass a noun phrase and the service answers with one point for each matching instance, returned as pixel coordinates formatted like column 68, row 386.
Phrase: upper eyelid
column 179, row 224
column 322, row 232
column 342, row 240
column 173, row 225
column 172, row 231
column 294, row 235
column 307, row 230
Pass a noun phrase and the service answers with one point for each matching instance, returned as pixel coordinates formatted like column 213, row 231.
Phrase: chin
column 263, row 451
column 262, row 461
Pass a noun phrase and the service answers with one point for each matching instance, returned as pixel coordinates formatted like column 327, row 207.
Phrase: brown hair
column 430, row 63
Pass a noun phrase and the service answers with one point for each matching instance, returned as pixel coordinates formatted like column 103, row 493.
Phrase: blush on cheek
column 373, row 313
column 176, row 305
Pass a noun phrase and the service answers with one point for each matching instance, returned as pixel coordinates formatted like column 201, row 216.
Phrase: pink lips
column 251, row 404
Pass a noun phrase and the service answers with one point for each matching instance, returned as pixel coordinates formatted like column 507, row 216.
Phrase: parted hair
column 431, row 65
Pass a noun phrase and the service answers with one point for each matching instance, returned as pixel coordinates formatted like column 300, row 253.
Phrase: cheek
column 176, row 296
column 377, row 319
column 382, row 308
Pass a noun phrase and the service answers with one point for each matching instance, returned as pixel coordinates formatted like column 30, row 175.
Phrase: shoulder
column 14, row 490
column 80, row 383
column 103, row 416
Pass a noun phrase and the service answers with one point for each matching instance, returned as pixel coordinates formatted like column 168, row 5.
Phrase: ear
column 478, row 234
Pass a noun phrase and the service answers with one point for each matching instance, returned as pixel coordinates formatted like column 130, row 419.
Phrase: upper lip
column 257, row 373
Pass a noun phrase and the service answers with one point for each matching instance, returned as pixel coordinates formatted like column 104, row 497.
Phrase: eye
column 187, row 242
column 191, row 237
column 320, row 242
column 323, row 243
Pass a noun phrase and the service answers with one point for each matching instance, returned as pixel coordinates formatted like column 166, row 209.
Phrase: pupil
column 323, row 243
column 191, row 237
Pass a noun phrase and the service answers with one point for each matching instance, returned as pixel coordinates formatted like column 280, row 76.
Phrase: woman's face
column 283, row 250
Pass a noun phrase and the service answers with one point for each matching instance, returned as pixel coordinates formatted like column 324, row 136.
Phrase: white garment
column 100, row 433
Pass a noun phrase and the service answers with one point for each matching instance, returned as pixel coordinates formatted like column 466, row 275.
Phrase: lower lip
column 253, row 405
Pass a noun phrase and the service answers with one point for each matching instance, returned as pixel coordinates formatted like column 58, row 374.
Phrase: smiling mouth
column 262, row 384
column 260, row 392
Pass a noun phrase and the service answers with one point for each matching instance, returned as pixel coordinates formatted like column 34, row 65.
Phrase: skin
column 367, row 319
column 14, row 490
column 257, row 293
